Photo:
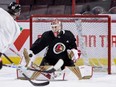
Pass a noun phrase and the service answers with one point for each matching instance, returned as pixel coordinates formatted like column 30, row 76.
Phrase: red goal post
column 93, row 34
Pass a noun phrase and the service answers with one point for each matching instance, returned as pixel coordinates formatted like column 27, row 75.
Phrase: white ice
column 8, row 78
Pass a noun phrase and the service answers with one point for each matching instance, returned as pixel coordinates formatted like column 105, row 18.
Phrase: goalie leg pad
column 26, row 56
column 29, row 57
column 86, row 71
column 76, row 71
column 82, row 72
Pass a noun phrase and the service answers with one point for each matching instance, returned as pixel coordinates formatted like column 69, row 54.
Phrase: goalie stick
column 33, row 83
column 55, row 67
column 34, row 69
column 45, row 73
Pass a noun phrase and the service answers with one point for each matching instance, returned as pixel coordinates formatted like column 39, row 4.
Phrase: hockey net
column 92, row 33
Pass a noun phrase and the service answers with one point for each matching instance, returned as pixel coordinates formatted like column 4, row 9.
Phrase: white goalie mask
column 56, row 26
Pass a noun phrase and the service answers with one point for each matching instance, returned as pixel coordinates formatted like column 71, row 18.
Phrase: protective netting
column 92, row 34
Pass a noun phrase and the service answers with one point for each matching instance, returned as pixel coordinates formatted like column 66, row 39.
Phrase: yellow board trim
column 16, row 60
column 38, row 60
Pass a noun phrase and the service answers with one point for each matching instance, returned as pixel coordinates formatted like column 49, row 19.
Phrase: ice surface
column 8, row 79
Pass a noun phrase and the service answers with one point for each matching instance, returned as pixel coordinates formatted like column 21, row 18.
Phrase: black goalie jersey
column 56, row 47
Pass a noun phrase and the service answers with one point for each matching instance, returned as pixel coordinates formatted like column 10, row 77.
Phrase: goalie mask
column 14, row 8
column 56, row 27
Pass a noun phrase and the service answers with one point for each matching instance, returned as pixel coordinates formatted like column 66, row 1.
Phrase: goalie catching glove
column 74, row 54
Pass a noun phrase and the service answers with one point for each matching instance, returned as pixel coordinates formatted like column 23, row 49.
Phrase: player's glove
column 74, row 54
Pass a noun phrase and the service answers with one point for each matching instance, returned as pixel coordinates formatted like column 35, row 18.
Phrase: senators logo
column 59, row 48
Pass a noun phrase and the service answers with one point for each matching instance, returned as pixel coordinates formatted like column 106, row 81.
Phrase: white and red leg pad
column 86, row 71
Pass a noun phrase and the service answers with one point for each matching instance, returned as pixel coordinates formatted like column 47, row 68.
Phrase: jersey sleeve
column 72, row 39
column 40, row 43
column 9, row 31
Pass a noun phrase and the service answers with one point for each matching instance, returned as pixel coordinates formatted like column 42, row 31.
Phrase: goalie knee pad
column 0, row 63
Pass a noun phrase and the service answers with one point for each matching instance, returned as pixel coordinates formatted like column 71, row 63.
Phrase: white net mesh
column 92, row 34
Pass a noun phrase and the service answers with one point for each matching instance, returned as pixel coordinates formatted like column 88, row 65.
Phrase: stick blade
column 35, row 83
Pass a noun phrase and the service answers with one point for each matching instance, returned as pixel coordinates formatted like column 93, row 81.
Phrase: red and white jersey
column 9, row 30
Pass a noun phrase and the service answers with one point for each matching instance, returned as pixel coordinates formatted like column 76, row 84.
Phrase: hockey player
column 57, row 41
column 59, row 44
column 9, row 29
